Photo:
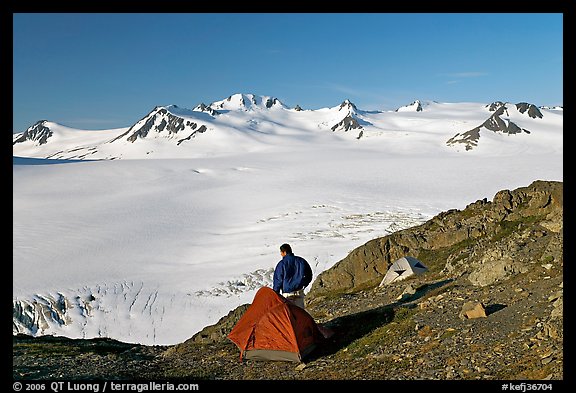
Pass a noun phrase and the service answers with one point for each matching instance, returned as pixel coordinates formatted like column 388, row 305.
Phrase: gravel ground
column 379, row 334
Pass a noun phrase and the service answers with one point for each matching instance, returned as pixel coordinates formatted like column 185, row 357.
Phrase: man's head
column 285, row 249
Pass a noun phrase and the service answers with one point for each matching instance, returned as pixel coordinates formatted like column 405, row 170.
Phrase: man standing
column 291, row 276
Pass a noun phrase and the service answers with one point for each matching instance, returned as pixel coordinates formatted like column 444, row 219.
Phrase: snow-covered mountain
column 415, row 106
column 247, row 102
column 500, row 121
column 251, row 122
column 151, row 232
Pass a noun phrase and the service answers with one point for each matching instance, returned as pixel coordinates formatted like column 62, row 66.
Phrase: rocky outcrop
column 349, row 106
column 532, row 109
column 195, row 131
column 219, row 331
column 269, row 102
column 493, row 107
column 38, row 133
column 350, row 121
column 495, row 123
column 206, row 109
column 246, row 102
column 346, row 124
column 160, row 120
column 489, row 241
column 522, row 107
column 415, row 106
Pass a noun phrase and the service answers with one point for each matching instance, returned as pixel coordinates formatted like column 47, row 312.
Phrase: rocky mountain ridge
column 239, row 113
column 498, row 122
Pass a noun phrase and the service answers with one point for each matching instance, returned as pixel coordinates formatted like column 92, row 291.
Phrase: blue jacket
column 291, row 274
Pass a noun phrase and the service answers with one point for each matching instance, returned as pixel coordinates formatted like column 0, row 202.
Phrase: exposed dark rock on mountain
column 160, row 120
column 270, row 102
column 346, row 124
column 522, row 107
column 203, row 108
column 415, row 106
column 246, row 102
column 350, row 121
column 38, row 133
column 347, row 105
column 200, row 130
column 533, row 111
column 493, row 107
column 495, row 123
column 469, row 139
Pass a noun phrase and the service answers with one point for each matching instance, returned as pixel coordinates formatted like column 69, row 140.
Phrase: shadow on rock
column 491, row 309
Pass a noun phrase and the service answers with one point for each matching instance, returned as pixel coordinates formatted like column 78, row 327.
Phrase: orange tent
column 274, row 329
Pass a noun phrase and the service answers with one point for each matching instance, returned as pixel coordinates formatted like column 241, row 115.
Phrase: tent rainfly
column 403, row 268
column 272, row 328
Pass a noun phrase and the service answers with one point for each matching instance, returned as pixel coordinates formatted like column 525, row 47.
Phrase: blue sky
column 106, row 70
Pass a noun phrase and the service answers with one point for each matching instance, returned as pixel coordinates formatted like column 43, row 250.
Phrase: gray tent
column 403, row 268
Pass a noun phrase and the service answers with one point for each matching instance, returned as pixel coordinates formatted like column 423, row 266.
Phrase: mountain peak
column 347, row 105
column 207, row 109
column 493, row 107
column 500, row 107
column 499, row 121
column 39, row 133
column 246, row 102
column 415, row 106
column 531, row 109
column 163, row 122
